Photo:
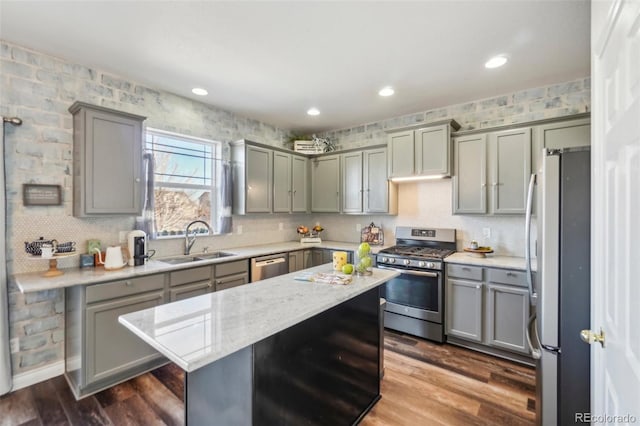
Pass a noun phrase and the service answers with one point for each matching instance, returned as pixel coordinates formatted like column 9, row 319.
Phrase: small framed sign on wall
column 41, row 195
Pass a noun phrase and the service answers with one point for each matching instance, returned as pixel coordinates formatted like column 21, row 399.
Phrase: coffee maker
column 137, row 243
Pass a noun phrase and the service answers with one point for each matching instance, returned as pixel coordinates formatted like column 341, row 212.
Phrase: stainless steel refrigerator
column 562, row 285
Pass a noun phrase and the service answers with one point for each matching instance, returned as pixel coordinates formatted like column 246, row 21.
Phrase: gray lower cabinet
column 231, row 274
column 489, row 306
column 464, row 309
column 297, row 260
column 105, row 140
column 99, row 352
column 192, row 282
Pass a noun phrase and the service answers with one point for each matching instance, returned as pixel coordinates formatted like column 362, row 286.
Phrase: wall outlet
column 239, row 229
column 486, row 233
column 358, row 227
column 15, row 345
column 281, row 226
column 122, row 236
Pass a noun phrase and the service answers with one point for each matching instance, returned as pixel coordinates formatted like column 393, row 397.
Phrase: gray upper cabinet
column 365, row 187
column 253, row 178
column 106, row 140
column 421, row 151
column 433, row 150
column 504, row 158
column 325, row 184
column 299, row 184
column 401, row 154
column 352, row 189
column 469, row 181
column 289, row 183
column 510, row 157
column 281, row 182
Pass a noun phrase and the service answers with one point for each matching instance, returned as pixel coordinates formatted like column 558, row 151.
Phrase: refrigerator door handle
column 533, row 296
column 535, row 352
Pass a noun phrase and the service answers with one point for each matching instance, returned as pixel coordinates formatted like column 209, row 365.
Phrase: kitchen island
column 279, row 351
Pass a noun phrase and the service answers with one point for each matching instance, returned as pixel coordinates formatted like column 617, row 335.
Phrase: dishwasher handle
column 270, row 262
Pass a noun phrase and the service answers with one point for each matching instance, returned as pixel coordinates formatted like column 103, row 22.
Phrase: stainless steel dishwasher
column 269, row 266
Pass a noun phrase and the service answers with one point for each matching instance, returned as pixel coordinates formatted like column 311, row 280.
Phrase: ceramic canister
column 339, row 260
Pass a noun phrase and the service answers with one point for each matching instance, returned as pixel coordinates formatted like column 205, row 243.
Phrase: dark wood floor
column 424, row 384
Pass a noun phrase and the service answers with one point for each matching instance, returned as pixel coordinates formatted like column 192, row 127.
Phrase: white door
column 615, row 245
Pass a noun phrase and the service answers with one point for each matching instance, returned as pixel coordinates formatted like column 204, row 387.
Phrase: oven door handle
column 408, row 272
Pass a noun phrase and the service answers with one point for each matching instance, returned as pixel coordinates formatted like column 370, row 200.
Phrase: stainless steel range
column 415, row 299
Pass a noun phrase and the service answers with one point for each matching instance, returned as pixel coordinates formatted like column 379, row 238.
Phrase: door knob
column 590, row 337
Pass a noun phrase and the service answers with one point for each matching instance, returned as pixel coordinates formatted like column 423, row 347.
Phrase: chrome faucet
column 188, row 242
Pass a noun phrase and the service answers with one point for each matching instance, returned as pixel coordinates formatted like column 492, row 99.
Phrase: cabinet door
column 469, row 181
column 258, row 180
column 510, row 153
column 231, row 281
column 281, row 182
column 316, row 257
column 299, row 180
column 401, row 154
column 111, row 349
column 307, row 259
column 112, row 164
column 433, row 151
column 464, row 309
column 325, row 184
column 376, row 183
column 352, row 182
column 190, row 290
column 507, row 314
column 296, row 260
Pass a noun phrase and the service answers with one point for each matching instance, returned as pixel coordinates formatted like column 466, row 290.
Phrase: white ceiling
column 273, row 60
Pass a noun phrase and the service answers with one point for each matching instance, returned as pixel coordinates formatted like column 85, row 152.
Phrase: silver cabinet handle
column 511, row 274
column 128, row 283
column 478, row 286
column 464, row 268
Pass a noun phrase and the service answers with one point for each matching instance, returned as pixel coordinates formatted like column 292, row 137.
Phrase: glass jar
column 363, row 263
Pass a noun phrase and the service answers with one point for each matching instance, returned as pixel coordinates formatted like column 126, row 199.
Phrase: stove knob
column 385, row 259
column 392, row 260
column 431, row 265
column 421, row 264
column 406, row 262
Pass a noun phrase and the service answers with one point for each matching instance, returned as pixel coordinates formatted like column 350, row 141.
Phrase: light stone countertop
column 34, row 281
column 505, row 262
column 200, row 330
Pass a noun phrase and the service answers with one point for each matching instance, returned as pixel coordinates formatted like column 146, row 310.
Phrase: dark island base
column 323, row 371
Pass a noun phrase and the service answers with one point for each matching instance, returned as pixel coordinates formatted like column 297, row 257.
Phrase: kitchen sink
column 194, row 258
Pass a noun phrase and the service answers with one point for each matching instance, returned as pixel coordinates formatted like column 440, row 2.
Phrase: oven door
column 416, row 294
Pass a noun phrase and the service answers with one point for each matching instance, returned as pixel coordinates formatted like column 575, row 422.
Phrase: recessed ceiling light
column 386, row 91
column 313, row 111
column 496, row 61
column 199, row 91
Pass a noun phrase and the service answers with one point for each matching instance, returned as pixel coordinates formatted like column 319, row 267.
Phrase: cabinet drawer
column 190, row 275
column 465, row 271
column 232, row 281
column 505, row 276
column 230, row 268
column 111, row 290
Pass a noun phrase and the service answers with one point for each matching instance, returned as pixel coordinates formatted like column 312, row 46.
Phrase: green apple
column 366, row 262
column 347, row 269
column 364, row 249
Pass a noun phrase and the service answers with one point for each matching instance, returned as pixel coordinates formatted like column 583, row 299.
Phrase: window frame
column 216, row 153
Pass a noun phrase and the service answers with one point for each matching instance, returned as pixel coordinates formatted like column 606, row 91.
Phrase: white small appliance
column 137, row 244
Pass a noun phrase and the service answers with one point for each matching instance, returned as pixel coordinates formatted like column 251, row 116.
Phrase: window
column 185, row 184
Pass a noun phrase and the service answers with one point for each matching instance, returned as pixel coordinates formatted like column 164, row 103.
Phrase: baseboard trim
column 37, row 375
